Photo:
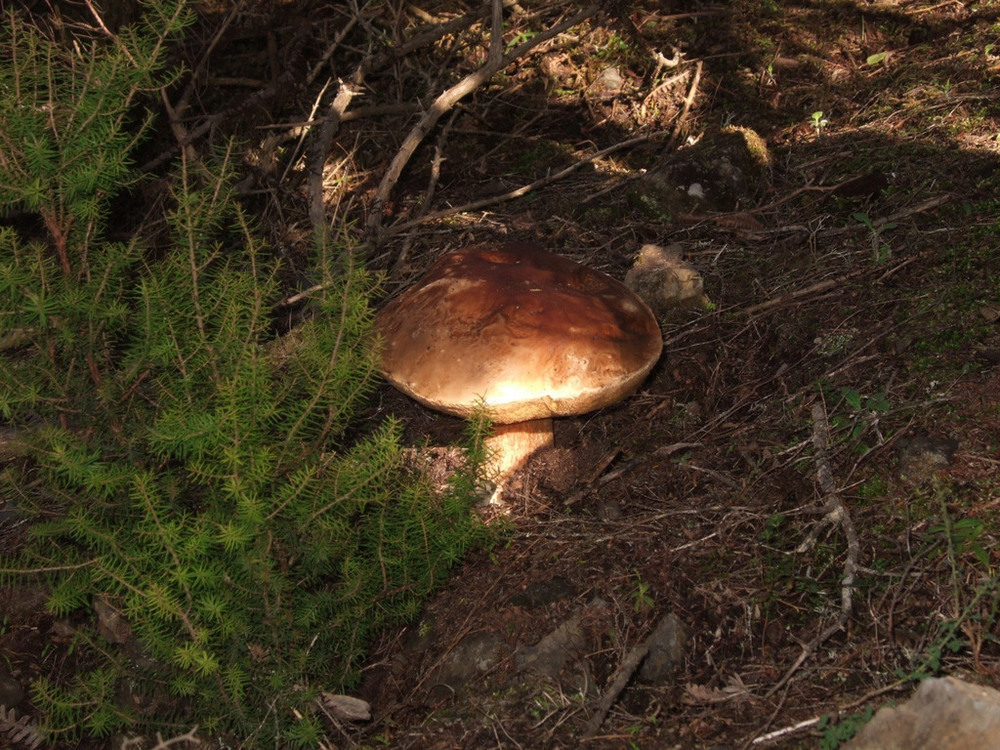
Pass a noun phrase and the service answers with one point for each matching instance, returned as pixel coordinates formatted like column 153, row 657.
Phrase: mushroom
column 521, row 332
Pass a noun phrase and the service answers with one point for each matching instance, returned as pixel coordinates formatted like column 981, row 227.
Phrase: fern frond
column 19, row 730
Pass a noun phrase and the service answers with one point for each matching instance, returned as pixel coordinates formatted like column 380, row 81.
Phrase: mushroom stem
column 511, row 444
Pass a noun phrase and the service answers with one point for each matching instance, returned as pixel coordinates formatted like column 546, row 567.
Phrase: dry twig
column 525, row 189
column 449, row 98
column 625, row 671
column 688, row 101
column 836, row 514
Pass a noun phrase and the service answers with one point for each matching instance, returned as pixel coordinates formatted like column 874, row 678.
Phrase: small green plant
column 880, row 252
column 975, row 608
column 520, row 38
column 772, row 531
column 862, row 413
column 837, row 732
column 961, row 536
column 819, row 122
column 642, row 601
column 207, row 479
column 615, row 47
column 873, row 488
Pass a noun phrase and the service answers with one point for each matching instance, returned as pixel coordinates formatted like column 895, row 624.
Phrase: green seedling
column 819, row 122
column 641, row 599
column 880, row 252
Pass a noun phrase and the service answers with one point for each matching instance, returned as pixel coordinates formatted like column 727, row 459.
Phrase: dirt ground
column 832, row 415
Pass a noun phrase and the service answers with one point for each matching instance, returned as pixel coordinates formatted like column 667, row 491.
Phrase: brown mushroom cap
column 526, row 333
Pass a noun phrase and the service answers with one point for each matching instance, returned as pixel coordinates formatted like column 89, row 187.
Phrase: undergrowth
column 201, row 480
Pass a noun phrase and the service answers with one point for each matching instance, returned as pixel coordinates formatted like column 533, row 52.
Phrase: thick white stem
column 511, row 445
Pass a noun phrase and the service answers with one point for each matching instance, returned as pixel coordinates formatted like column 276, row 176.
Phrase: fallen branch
column 625, row 671
column 686, row 109
column 428, row 192
column 445, row 101
column 320, row 147
column 188, row 738
column 495, row 61
column 779, row 733
column 836, row 514
column 524, row 189
column 818, row 288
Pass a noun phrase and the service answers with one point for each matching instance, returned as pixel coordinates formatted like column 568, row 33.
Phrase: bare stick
column 524, row 189
column 625, row 671
column 429, row 192
column 494, row 62
column 442, row 104
column 836, row 514
column 688, row 101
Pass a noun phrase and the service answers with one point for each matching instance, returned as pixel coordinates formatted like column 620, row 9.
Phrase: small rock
column 541, row 593
column 666, row 650
column 608, row 83
column 729, row 166
column 548, row 657
column 609, row 510
column 346, row 707
column 11, row 691
column 665, row 281
column 990, row 313
column 944, row 714
column 922, row 455
column 111, row 623
column 475, row 655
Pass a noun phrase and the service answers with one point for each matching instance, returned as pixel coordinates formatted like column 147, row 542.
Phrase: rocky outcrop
column 944, row 714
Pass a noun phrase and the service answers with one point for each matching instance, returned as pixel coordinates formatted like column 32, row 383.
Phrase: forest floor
column 832, row 415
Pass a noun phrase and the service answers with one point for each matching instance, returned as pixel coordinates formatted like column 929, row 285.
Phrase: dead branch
column 429, row 192
column 524, row 189
column 189, row 738
column 442, row 104
column 449, row 98
column 321, row 145
column 836, row 514
column 686, row 109
column 625, row 671
column 817, row 288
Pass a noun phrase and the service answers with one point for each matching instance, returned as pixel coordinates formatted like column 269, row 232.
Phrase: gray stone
column 608, row 83
column 549, row 655
column 943, row 714
column 724, row 171
column 666, row 650
column 553, row 652
column 542, row 593
column 475, row 655
column 920, row 456
column 11, row 691
column 665, row 281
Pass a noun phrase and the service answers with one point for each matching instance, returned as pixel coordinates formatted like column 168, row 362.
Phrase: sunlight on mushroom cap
column 524, row 332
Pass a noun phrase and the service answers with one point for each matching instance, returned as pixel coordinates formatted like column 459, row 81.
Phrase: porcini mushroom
column 525, row 334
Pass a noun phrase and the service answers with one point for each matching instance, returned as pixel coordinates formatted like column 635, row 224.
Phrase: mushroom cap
column 517, row 330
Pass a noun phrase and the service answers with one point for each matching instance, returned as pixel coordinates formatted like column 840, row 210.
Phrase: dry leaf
column 695, row 695
column 699, row 694
column 17, row 729
column 739, row 223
